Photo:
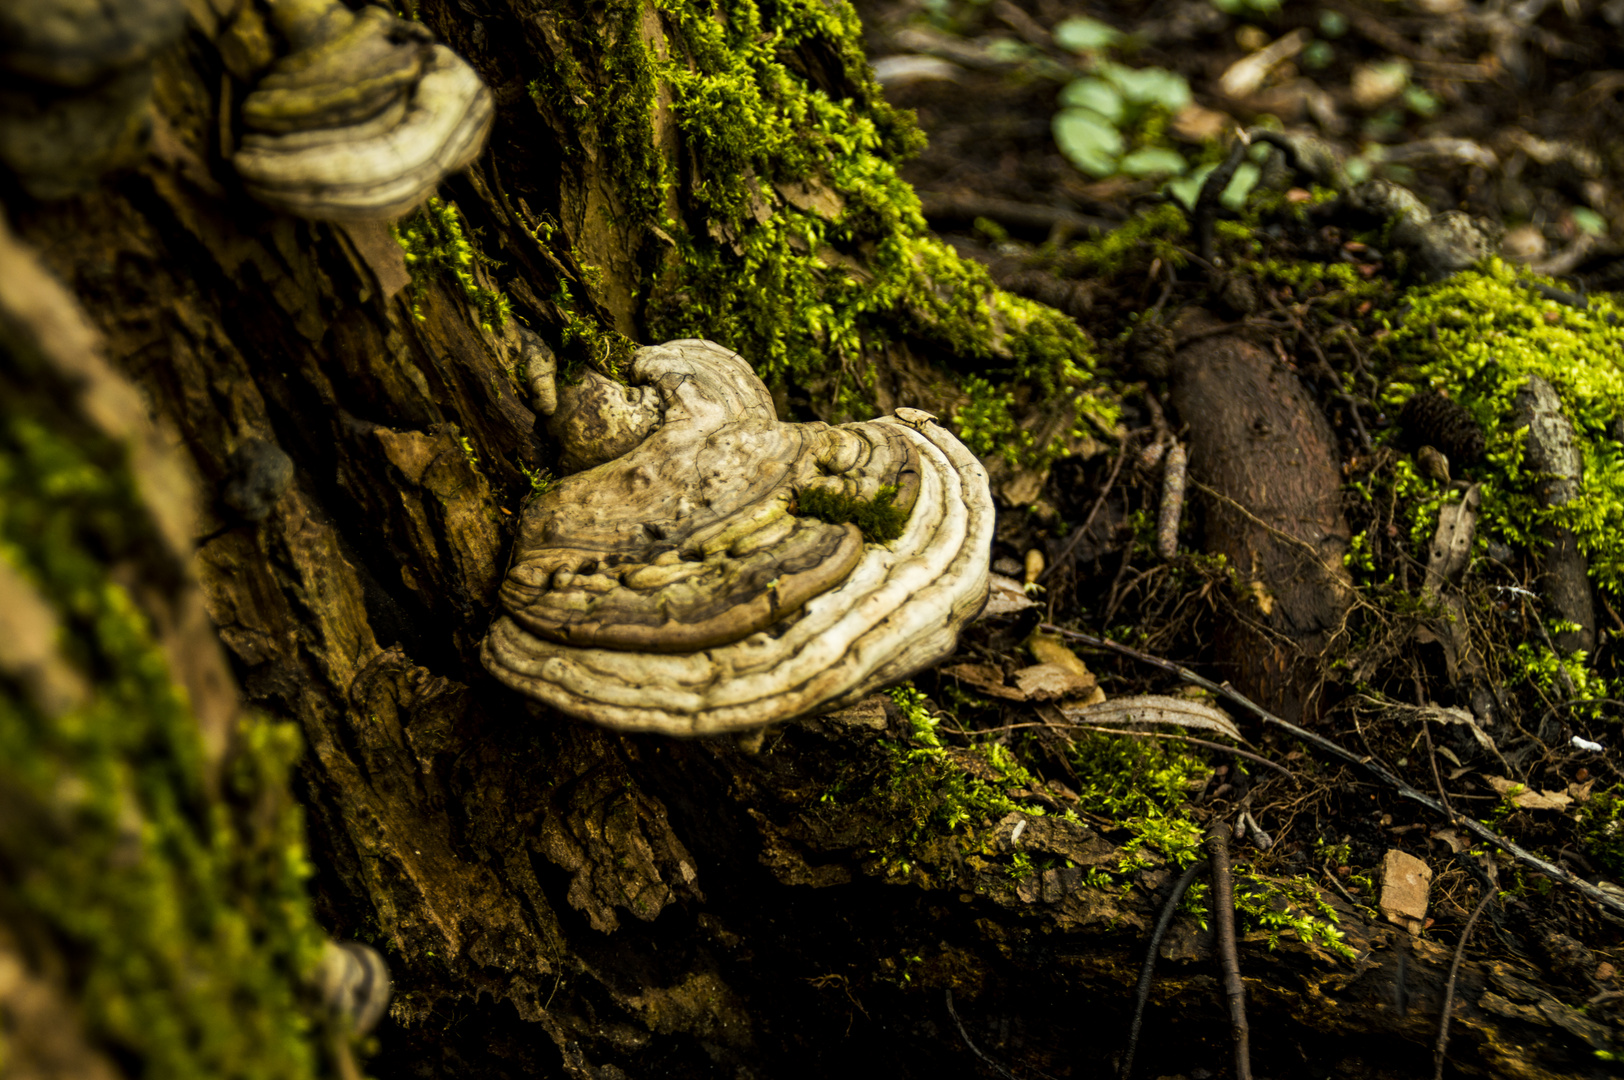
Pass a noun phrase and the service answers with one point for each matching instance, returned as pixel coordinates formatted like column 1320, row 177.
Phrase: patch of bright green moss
column 436, row 245
column 1154, row 234
column 182, row 916
column 1479, row 336
column 878, row 519
column 803, row 249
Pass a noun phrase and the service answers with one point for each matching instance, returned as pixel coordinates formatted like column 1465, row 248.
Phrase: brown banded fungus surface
column 673, row 587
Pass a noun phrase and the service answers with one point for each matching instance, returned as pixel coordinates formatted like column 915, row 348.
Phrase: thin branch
column 974, row 1049
column 1472, row 825
column 1449, row 987
column 1223, row 918
column 1147, row 974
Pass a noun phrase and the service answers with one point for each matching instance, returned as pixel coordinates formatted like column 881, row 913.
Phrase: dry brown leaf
column 1006, row 598
column 985, row 678
column 1049, row 649
column 1053, row 682
column 1406, row 881
column 1155, row 709
column 1525, row 797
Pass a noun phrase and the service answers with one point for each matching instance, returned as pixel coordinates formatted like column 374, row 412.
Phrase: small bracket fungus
column 363, row 119
column 675, row 586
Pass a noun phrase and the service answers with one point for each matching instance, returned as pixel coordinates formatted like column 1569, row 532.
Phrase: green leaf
column 1096, row 94
column 1082, row 34
column 1149, row 86
column 1153, row 161
column 1240, row 186
column 1589, row 221
column 1187, row 189
column 1089, row 140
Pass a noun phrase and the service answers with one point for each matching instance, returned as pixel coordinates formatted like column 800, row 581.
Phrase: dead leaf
column 985, row 678
column 1406, row 880
column 1451, row 839
column 1525, row 797
column 1050, row 649
column 1155, row 709
column 1006, row 598
column 1053, row 682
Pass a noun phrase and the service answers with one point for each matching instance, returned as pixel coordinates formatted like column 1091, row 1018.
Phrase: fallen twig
column 1472, row 825
column 1172, row 509
column 1223, row 919
column 1146, row 974
column 1449, row 987
column 1212, row 190
column 974, row 1049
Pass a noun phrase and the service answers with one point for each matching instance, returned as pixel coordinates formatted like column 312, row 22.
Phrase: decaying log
column 1267, row 459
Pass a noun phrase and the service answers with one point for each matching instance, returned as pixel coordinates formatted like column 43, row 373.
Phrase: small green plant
column 916, row 714
column 541, row 480
column 1601, row 829
column 878, row 519
column 1278, row 906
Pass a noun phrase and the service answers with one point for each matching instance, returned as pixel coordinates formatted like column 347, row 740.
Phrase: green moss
column 183, row 916
column 879, row 521
column 1138, row 242
column 1602, row 832
column 803, row 249
column 1479, row 336
column 437, row 246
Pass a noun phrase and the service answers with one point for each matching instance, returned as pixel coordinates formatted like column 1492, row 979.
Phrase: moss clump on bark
column 802, row 248
column 181, row 913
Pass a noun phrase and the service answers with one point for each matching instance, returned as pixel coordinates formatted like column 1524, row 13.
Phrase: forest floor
column 1048, row 131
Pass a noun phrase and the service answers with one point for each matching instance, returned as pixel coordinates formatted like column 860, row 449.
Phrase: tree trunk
column 553, row 899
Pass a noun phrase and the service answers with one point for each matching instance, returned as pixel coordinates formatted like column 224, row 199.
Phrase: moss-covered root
column 151, row 887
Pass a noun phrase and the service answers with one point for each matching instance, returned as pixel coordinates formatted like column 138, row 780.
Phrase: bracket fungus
column 362, row 119
column 678, row 585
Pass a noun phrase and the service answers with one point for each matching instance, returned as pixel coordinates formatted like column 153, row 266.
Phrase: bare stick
column 1167, row 521
column 1142, row 994
column 1223, row 918
column 1375, row 768
column 974, row 1049
column 1449, row 987
column 1206, row 203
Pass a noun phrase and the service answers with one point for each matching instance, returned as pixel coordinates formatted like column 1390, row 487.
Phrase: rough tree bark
column 553, row 899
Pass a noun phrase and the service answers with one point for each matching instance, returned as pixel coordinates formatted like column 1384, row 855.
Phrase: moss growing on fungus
column 879, row 521
column 182, row 916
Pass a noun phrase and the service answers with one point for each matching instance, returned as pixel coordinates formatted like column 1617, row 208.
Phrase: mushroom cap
column 673, row 589
column 363, row 123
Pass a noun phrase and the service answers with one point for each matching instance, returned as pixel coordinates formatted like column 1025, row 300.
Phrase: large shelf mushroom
column 675, row 586
column 362, row 119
